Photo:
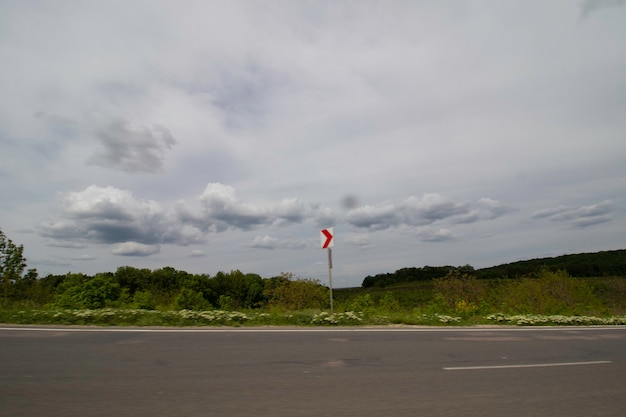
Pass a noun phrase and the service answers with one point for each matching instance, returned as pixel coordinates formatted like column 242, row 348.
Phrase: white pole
column 330, row 277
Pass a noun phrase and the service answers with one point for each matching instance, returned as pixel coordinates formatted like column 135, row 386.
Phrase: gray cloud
column 110, row 215
column 495, row 208
column 427, row 209
column 590, row 6
column 375, row 217
column 578, row 216
column 221, row 210
column 132, row 148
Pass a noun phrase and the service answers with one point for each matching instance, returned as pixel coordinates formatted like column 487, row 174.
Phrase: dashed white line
column 531, row 365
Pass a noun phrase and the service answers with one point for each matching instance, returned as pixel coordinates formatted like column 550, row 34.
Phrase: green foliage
column 243, row 290
column 295, row 294
column 98, row 292
column 460, row 293
column 225, row 302
column 144, row 300
column 80, row 291
column 548, row 293
column 189, row 299
column 12, row 265
column 363, row 303
column 389, row 303
column 599, row 264
column 425, row 273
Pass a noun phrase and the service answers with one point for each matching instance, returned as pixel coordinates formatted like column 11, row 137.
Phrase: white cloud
column 427, row 209
column 221, row 210
column 360, row 240
column 427, row 234
column 265, row 242
column 83, row 257
column 135, row 249
column 111, row 215
column 269, row 242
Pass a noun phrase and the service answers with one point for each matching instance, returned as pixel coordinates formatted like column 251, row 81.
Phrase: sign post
column 327, row 240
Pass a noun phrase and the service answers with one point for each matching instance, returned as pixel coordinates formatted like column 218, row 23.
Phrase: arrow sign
column 327, row 238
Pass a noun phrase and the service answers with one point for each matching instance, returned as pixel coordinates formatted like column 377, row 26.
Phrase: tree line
column 168, row 288
column 163, row 288
column 583, row 265
column 411, row 274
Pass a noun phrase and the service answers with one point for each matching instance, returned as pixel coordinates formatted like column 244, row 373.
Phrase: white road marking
column 308, row 329
column 532, row 365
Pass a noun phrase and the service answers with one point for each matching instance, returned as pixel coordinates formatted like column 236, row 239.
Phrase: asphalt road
column 434, row 372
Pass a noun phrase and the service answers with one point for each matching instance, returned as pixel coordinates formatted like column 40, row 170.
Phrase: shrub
column 362, row 303
column 548, row 293
column 283, row 292
column 459, row 293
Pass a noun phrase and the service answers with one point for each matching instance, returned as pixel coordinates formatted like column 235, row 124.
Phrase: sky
column 219, row 135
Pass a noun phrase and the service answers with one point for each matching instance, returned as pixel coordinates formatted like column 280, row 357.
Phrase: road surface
column 74, row 372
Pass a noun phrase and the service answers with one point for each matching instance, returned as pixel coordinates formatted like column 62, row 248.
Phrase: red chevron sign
column 327, row 238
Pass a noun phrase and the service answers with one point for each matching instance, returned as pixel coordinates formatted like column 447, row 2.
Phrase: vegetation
column 547, row 294
column 600, row 264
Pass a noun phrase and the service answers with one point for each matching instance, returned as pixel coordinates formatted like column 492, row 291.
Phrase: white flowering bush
column 110, row 316
column 139, row 317
column 132, row 317
column 440, row 318
column 546, row 320
column 345, row 318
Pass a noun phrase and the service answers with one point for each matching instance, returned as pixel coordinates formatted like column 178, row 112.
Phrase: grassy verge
column 137, row 317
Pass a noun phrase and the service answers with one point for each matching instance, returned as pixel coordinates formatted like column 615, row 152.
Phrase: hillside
column 597, row 264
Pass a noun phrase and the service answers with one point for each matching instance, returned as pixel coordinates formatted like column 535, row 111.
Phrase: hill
column 597, row 264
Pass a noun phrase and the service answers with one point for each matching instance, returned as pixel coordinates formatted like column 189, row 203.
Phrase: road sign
column 327, row 238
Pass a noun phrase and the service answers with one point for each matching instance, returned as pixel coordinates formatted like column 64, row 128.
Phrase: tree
column 295, row 294
column 12, row 263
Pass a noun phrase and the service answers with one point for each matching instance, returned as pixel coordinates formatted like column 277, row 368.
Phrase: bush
column 459, row 293
column 548, row 293
column 292, row 295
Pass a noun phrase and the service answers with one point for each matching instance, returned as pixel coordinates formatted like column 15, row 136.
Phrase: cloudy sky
column 221, row 135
